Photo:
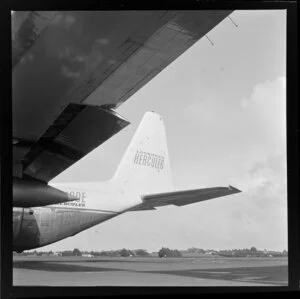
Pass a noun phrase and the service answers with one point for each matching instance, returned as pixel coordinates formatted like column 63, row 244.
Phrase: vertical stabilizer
column 145, row 166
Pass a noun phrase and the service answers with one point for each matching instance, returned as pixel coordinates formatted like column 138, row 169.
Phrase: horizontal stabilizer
column 182, row 198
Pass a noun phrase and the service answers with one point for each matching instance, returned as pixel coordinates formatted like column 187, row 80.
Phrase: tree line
column 163, row 252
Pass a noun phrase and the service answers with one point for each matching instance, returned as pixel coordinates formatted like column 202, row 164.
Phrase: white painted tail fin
column 145, row 166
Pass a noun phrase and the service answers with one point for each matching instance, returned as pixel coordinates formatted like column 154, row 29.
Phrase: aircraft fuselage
column 40, row 226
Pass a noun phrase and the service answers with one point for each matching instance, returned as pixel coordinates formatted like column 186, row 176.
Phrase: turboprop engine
column 34, row 193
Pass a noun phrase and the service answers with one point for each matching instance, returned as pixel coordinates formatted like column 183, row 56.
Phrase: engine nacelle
column 32, row 193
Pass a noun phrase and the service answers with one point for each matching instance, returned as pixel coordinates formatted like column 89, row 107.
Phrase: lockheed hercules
column 142, row 182
column 70, row 71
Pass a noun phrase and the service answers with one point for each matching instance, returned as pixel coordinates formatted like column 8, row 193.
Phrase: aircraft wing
column 70, row 68
column 75, row 132
column 182, row 198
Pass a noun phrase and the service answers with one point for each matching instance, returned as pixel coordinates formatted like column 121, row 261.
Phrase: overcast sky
column 224, row 112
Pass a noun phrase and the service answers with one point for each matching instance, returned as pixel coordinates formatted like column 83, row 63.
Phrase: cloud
column 266, row 173
column 268, row 93
column 231, row 135
column 269, row 184
column 264, row 185
column 262, row 208
column 267, row 104
column 262, row 113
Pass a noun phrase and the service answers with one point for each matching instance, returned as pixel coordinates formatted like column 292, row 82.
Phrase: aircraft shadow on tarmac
column 58, row 267
column 276, row 274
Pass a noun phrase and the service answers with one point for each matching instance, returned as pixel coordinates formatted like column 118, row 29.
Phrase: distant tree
column 192, row 250
column 76, row 252
column 142, row 252
column 67, row 253
column 95, row 253
column 176, row 253
column 104, row 253
column 195, row 250
column 166, row 252
column 124, row 252
column 253, row 250
column 162, row 252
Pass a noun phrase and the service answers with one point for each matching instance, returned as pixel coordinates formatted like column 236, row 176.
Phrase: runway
column 79, row 271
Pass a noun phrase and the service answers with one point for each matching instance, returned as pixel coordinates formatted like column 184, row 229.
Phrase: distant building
column 210, row 252
column 86, row 255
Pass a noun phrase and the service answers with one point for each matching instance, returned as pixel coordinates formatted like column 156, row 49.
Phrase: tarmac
column 134, row 271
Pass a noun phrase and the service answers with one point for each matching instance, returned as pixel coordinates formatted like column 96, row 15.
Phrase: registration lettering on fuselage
column 80, row 202
column 149, row 160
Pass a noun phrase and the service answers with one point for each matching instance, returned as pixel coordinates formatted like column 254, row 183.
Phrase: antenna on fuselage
column 233, row 22
column 209, row 40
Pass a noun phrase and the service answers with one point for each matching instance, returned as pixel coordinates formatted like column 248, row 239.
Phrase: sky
column 224, row 111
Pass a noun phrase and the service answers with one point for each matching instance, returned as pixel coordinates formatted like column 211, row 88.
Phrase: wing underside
column 182, row 198
column 76, row 131
column 82, row 64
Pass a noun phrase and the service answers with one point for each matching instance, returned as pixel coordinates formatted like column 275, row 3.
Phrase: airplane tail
column 142, row 180
column 145, row 166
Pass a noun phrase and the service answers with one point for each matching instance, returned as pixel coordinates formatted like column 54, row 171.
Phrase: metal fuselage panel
column 96, row 202
column 36, row 227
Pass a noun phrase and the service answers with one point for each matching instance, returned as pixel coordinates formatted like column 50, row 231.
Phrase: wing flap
column 182, row 198
column 78, row 130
